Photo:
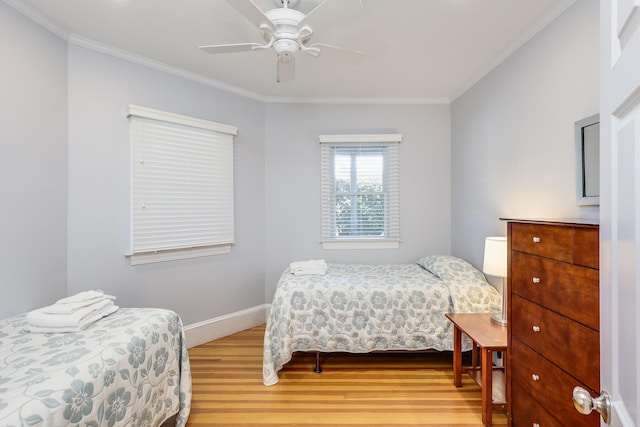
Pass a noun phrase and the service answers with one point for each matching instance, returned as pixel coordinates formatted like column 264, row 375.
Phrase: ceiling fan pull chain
column 277, row 69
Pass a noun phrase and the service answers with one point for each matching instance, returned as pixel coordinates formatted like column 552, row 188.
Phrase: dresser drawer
column 548, row 241
column 572, row 346
column 528, row 412
column 565, row 288
column 545, row 386
column 586, row 247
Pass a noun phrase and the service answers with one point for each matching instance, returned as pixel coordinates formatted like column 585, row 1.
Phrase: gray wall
column 100, row 89
column 292, row 179
column 504, row 148
column 512, row 133
column 33, row 164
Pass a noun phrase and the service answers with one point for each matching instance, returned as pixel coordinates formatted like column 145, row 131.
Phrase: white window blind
column 181, row 186
column 360, row 190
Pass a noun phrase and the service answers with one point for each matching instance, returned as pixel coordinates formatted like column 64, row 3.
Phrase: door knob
column 584, row 403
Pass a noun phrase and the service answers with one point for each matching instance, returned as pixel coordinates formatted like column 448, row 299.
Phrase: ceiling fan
column 288, row 31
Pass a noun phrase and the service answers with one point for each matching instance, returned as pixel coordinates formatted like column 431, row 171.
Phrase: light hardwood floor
column 380, row 389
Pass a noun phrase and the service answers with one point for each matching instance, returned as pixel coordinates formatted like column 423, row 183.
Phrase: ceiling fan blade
column 315, row 49
column 327, row 12
column 252, row 12
column 286, row 67
column 229, row 48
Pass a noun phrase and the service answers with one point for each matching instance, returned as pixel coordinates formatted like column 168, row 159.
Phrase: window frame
column 222, row 153
column 391, row 143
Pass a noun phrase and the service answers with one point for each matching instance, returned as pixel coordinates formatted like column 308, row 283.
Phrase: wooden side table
column 487, row 337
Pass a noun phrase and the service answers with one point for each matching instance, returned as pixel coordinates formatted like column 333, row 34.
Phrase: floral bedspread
column 130, row 368
column 360, row 308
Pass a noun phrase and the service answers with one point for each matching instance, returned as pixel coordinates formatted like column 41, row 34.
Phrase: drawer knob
column 536, row 280
column 535, row 377
column 536, row 239
column 536, row 328
column 536, row 424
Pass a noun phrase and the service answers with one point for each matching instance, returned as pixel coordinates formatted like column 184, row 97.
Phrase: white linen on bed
column 312, row 266
column 69, row 322
column 77, row 302
column 360, row 308
column 71, row 314
column 89, row 296
column 62, row 326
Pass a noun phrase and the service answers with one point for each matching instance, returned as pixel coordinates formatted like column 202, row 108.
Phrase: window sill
column 172, row 255
column 361, row 244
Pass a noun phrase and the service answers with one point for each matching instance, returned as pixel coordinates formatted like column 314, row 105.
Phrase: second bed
column 360, row 308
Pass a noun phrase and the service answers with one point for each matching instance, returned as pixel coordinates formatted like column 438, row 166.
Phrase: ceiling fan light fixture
column 285, row 58
column 286, row 47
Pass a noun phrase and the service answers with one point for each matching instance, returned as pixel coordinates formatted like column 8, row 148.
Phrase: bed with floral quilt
column 360, row 308
column 130, row 368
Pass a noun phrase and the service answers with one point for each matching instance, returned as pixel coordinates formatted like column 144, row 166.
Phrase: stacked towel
column 76, row 302
column 314, row 266
column 72, row 314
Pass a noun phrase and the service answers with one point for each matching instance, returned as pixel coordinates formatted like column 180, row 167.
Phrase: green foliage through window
column 359, row 192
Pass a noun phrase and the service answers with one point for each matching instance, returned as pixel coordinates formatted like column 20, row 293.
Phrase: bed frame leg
column 318, row 368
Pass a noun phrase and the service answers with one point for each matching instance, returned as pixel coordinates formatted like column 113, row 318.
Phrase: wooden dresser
column 553, row 321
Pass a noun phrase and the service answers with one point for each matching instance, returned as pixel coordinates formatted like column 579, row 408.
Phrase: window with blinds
column 360, row 191
column 181, row 186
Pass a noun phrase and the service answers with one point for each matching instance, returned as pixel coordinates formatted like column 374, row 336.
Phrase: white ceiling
column 414, row 50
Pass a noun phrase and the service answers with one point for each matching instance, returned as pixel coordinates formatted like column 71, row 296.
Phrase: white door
column 620, row 208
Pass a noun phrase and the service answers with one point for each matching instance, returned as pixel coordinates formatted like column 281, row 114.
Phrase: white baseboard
column 222, row 326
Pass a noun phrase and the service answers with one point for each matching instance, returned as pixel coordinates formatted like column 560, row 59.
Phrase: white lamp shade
column 495, row 256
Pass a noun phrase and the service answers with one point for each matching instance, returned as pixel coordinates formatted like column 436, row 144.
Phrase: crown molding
column 156, row 65
column 355, row 100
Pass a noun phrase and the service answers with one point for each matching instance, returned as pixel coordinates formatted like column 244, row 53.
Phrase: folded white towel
column 71, row 307
column 81, row 296
column 309, row 263
column 86, row 323
column 78, row 318
column 314, row 266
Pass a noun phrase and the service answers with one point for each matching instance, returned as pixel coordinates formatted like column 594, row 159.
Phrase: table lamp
column 495, row 264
